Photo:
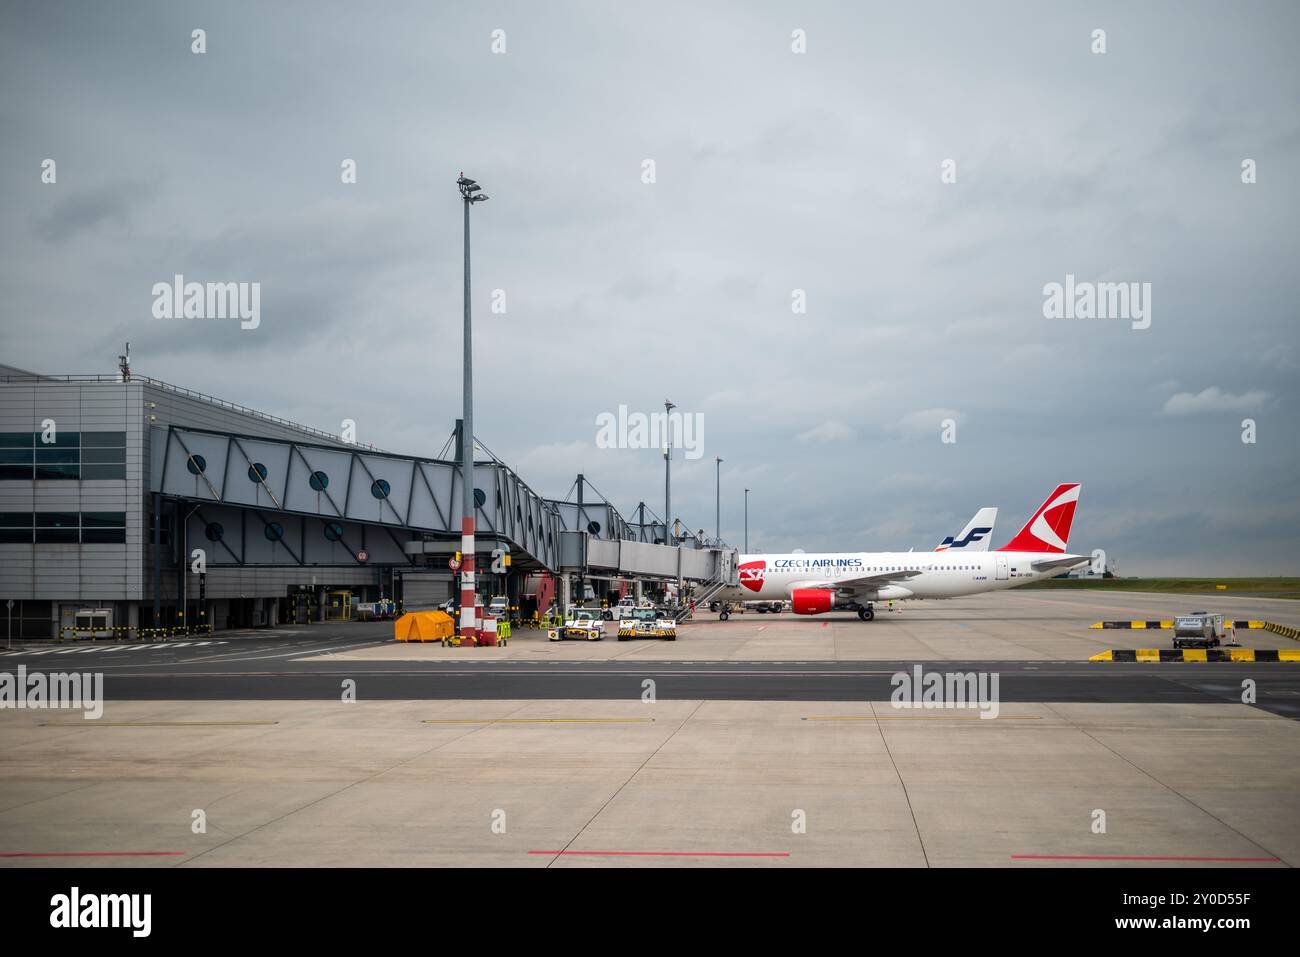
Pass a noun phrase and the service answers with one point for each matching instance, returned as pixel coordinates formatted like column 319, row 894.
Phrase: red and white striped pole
column 468, row 622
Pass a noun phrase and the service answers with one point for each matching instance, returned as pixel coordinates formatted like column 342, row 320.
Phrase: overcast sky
column 774, row 171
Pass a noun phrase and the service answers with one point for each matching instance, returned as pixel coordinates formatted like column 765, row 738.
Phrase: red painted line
column 93, row 854
column 666, row 853
column 1105, row 857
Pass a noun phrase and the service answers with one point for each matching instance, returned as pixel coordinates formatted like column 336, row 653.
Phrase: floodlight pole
column 668, row 471
column 717, row 505
column 469, row 192
column 746, row 521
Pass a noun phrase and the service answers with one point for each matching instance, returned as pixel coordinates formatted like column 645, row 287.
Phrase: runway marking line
column 665, row 853
column 921, row 717
column 156, row 724
column 30, row 854
column 538, row 721
column 1122, row 857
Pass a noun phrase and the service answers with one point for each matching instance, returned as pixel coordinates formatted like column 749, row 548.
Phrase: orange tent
column 424, row 626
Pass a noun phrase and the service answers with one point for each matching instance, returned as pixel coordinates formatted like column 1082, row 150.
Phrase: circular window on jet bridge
column 479, row 497
column 593, row 528
column 319, row 481
column 274, row 531
column 196, row 464
column 257, row 472
column 214, row 531
column 334, row 531
column 380, row 488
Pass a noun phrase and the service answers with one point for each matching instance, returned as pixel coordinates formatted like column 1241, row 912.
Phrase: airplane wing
column 881, row 578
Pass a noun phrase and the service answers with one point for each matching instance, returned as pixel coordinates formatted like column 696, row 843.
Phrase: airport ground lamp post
column 746, row 521
column 470, row 193
column 717, row 506
column 668, row 472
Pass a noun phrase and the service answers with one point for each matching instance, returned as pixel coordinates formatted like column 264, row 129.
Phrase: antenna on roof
column 124, row 365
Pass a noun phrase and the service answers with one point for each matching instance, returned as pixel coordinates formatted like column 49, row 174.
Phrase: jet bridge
column 344, row 490
column 596, row 540
column 581, row 551
column 265, row 501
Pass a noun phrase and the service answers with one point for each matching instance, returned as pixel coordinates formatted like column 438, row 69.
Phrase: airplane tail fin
column 1048, row 529
column 975, row 536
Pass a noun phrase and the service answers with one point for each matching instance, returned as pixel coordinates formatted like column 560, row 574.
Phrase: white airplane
column 852, row 581
column 975, row 536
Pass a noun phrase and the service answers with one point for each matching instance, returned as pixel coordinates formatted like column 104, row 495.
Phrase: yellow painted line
column 537, row 721
column 155, row 724
column 1194, row 654
column 1138, row 624
column 1148, row 654
column 1241, row 654
column 922, row 717
column 1288, row 654
column 1104, row 656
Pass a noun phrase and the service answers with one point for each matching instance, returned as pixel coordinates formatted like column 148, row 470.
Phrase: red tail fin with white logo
column 1049, row 528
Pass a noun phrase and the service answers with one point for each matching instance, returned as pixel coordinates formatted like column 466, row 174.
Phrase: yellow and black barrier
column 125, row 633
column 1286, row 631
column 119, row 633
column 1198, row 654
column 1168, row 623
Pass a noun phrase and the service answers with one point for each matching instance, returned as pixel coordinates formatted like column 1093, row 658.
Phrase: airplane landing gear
column 866, row 614
column 724, row 614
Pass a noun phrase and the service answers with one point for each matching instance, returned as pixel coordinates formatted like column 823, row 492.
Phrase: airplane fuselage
column 938, row 574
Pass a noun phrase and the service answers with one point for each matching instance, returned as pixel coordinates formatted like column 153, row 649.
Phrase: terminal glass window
column 56, row 463
column 28, row 619
column 57, row 528
column 16, row 455
column 63, row 528
column 103, row 528
column 103, row 455
column 15, row 528
column 69, row 456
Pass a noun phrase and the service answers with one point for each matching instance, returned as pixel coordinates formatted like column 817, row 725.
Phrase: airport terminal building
column 109, row 484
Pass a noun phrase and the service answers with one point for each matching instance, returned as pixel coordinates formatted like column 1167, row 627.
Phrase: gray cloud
column 776, row 172
column 85, row 209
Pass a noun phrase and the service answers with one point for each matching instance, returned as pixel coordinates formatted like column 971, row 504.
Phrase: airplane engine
column 811, row 601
